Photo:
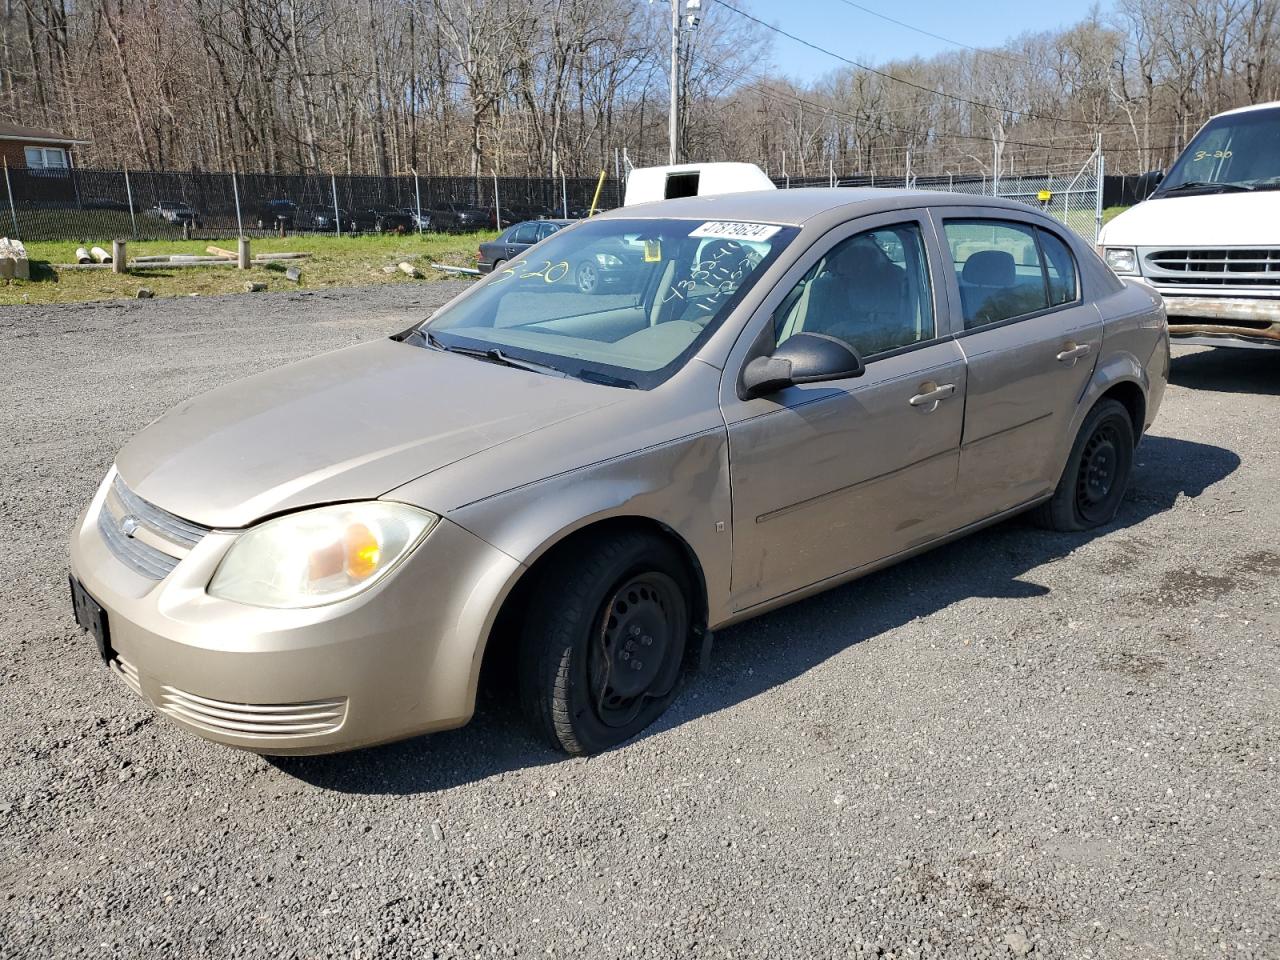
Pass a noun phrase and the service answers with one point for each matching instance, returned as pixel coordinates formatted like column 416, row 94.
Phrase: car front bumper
column 400, row 659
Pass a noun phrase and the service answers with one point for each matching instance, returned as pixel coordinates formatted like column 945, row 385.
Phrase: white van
column 1208, row 238
column 645, row 184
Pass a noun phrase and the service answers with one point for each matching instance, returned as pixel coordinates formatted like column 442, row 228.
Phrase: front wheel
column 603, row 642
column 587, row 278
column 1097, row 473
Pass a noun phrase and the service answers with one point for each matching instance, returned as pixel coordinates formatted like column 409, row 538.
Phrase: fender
column 683, row 485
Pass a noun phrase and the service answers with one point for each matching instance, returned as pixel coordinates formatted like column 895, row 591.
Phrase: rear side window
column 526, row 233
column 1060, row 269
column 998, row 268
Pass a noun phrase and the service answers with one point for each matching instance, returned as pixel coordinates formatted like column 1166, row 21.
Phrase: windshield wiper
column 606, row 379
column 494, row 355
column 1207, row 186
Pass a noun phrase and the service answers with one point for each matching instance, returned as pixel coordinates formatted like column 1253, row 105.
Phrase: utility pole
column 693, row 10
column 673, row 110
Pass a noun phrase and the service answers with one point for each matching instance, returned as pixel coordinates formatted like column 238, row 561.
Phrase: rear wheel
column 603, row 642
column 1094, row 481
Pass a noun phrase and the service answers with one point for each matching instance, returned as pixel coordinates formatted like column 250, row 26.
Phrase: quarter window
column 870, row 290
column 1060, row 269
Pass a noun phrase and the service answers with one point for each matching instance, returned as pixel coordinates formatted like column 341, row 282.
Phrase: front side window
column 998, row 268
column 624, row 302
column 870, row 290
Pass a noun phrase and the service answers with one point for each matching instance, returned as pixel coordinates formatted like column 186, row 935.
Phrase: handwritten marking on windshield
column 550, row 272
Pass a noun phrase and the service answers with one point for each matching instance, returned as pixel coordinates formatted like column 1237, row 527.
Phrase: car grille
column 1214, row 267
column 156, row 556
column 254, row 720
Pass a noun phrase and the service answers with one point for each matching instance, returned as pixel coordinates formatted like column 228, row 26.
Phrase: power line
column 909, row 83
column 936, row 36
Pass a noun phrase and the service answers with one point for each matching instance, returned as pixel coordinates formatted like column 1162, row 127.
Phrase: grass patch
column 334, row 262
column 1110, row 213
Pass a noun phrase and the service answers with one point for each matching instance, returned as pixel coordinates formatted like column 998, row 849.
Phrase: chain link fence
column 97, row 205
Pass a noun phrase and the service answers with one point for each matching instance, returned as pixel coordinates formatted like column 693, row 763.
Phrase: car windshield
column 1239, row 150
column 624, row 302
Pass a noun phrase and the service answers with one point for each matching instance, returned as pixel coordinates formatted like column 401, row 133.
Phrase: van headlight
column 1122, row 260
column 319, row 556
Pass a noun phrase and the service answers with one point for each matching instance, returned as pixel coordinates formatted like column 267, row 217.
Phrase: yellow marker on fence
column 1044, row 196
column 596, row 198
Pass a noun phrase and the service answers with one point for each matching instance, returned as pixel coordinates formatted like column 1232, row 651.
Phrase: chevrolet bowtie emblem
column 129, row 525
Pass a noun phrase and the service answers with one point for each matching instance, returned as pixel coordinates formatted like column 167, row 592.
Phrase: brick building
column 36, row 148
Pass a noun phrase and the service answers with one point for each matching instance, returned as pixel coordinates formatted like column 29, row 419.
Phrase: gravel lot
column 1025, row 743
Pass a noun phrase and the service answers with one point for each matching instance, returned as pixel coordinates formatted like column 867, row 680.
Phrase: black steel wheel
column 631, row 661
column 1096, row 476
column 604, row 639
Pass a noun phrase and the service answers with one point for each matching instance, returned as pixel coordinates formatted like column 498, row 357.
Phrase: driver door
column 830, row 477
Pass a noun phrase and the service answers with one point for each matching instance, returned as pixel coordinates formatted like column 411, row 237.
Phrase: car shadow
column 760, row 654
column 1227, row 370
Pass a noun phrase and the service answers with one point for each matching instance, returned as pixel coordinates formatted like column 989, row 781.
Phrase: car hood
column 1204, row 220
column 347, row 425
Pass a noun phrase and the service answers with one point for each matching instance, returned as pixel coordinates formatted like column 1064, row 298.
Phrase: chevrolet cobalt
column 791, row 389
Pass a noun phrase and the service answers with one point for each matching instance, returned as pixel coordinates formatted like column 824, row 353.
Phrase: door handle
column 931, row 393
column 1074, row 352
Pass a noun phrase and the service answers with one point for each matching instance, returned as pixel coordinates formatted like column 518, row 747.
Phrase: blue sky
column 861, row 36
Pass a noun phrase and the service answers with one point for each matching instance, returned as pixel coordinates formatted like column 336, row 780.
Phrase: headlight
column 608, row 260
column 319, row 556
column 1122, row 259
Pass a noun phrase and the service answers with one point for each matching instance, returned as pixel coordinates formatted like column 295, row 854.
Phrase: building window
column 51, row 159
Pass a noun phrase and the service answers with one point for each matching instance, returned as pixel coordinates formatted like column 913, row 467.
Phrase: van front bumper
column 1224, row 321
column 398, row 660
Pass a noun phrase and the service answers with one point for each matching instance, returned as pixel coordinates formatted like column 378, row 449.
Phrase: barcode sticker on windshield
column 731, row 230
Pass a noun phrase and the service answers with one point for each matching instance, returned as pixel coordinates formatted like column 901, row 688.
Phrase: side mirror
column 801, row 358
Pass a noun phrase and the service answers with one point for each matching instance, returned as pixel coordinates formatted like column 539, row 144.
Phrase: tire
column 1097, row 473
column 496, row 265
column 587, row 277
column 593, row 614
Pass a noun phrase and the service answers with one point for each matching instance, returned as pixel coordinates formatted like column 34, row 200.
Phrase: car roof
column 796, row 207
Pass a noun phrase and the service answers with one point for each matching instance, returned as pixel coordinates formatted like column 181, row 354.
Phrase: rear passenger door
column 1030, row 342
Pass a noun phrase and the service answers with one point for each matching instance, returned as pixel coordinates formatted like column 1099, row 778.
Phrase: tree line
column 551, row 87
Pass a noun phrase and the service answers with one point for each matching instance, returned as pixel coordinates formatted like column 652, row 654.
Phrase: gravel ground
column 1022, row 744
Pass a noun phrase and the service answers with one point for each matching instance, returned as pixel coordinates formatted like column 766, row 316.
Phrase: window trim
column 1035, row 228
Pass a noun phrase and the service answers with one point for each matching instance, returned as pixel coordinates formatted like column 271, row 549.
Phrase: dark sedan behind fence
column 84, row 204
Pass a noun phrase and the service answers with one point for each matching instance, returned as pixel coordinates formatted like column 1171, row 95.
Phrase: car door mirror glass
column 801, row 358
